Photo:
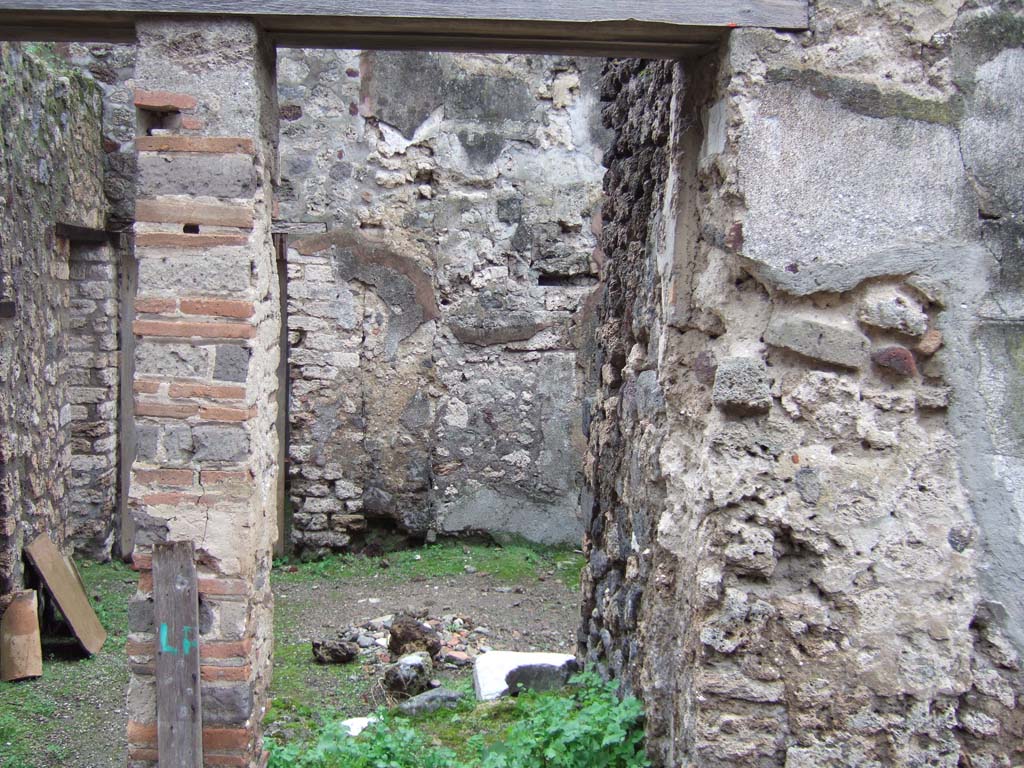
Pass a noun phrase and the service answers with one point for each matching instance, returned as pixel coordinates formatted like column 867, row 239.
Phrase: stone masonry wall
column 818, row 539
column 207, row 330
column 50, row 172
column 434, row 322
column 94, row 378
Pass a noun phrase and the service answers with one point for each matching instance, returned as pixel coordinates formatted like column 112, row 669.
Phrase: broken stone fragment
column 540, row 677
column 933, row 397
column 430, row 701
column 887, row 308
column 336, row 651
column 829, row 342
column 409, row 635
column 356, row 725
column 491, row 670
column 410, row 675
column 897, row 359
column 742, row 386
column 808, row 484
column 930, row 342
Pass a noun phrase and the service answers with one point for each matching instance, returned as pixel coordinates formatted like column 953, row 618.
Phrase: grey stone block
column 227, row 704
column 221, row 270
column 825, row 226
column 742, row 386
column 231, row 363
column 189, row 174
column 178, row 444
column 220, row 443
column 431, row 701
column 174, row 360
column 820, row 340
column 147, row 438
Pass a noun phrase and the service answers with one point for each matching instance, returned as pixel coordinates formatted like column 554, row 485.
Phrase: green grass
column 513, row 564
column 30, row 710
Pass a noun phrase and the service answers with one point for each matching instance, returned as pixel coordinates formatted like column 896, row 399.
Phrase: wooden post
column 179, row 712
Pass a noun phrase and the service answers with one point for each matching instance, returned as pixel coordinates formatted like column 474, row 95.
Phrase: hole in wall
column 190, row 229
column 151, row 122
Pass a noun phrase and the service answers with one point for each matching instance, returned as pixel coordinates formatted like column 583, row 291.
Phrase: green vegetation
column 514, row 564
column 585, row 727
column 306, row 697
column 34, row 712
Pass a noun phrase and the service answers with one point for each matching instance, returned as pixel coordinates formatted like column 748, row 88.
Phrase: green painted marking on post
column 186, row 641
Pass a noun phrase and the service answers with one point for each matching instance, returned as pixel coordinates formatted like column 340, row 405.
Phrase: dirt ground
column 535, row 613
column 541, row 616
column 75, row 716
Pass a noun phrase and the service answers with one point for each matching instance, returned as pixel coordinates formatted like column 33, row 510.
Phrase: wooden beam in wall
column 598, row 27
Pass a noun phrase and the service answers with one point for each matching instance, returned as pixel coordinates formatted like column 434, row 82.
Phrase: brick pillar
column 207, row 331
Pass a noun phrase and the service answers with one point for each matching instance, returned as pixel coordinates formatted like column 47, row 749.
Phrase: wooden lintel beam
column 607, row 26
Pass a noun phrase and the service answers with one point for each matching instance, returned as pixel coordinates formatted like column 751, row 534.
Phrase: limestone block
column 213, row 175
column 855, row 185
column 889, row 309
column 742, row 386
column 820, row 339
column 490, row 670
column 993, row 124
column 219, row 270
column 177, row 360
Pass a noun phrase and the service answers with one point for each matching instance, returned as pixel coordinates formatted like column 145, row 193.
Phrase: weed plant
column 586, row 727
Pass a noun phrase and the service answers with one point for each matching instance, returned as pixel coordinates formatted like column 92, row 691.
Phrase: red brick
column 223, row 587
column 146, row 387
column 190, row 212
column 175, row 240
column 133, row 648
column 213, row 499
column 164, row 101
column 224, row 675
column 226, row 145
column 226, row 761
column 214, row 391
column 141, row 733
column 897, row 359
column 146, row 581
column 159, row 499
column 192, row 123
column 165, row 410
column 142, row 754
column 220, row 739
column 187, row 329
column 218, row 307
column 214, row 413
column 214, row 476
column 181, row 477
column 142, row 562
column 155, row 306
column 237, row 649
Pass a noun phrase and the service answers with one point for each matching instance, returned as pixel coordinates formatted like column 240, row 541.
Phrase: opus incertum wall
column 805, row 451
column 207, row 310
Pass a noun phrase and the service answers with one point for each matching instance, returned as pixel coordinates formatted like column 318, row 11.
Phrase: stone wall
column 50, row 173
column 93, row 370
column 814, row 532
column 207, row 328
column 434, row 323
